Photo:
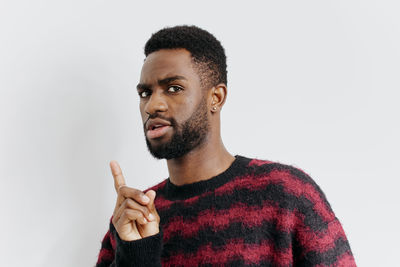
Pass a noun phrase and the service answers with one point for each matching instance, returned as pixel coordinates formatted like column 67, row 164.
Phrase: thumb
column 152, row 195
column 153, row 227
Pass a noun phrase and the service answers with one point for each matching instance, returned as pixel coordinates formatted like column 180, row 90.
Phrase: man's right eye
column 144, row 94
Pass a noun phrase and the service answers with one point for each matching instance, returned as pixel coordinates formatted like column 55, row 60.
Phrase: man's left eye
column 174, row 88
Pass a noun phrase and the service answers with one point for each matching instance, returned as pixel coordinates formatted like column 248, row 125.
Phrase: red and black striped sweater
column 256, row 213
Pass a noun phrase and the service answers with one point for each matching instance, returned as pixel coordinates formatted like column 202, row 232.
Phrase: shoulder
column 289, row 186
column 318, row 235
column 281, row 171
column 285, row 174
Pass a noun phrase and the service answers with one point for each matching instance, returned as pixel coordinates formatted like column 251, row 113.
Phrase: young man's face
column 172, row 104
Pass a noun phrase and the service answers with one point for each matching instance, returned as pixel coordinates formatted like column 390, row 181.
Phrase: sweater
column 255, row 213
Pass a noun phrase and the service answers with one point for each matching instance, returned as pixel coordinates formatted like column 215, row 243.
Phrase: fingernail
column 151, row 217
column 145, row 198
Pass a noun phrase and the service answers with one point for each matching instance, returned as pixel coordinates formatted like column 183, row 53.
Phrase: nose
column 156, row 103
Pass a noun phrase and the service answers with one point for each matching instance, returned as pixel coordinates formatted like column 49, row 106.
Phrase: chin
column 156, row 142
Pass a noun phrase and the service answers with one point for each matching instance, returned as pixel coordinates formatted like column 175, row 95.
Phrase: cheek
column 184, row 109
column 142, row 113
column 188, row 110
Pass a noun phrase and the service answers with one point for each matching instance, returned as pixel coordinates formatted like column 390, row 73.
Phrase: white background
column 313, row 84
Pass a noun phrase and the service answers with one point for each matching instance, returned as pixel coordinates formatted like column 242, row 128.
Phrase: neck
column 202, row 163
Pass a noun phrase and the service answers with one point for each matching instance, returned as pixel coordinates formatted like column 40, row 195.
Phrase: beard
column 186, row 137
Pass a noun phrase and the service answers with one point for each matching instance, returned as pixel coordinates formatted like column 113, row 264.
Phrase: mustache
column 154, row 116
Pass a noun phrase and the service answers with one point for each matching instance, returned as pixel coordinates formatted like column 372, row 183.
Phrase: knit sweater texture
column 256, row 213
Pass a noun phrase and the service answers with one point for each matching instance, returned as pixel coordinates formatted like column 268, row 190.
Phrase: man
column 215, row 209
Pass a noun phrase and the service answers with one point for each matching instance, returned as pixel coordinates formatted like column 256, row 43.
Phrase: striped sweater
column 256, row 213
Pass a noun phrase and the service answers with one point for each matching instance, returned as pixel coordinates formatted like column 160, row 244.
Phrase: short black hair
column 207, row 52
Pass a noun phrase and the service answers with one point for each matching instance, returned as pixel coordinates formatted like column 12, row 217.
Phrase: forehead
column 166, row 63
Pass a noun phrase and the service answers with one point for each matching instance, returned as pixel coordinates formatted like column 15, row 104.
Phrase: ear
column 217, row 97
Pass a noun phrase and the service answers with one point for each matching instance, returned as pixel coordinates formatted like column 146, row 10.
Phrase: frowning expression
column 172, row 103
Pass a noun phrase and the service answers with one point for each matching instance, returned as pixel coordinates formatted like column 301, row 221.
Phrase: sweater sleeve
column 119, row 253
column 318, row 237
column 325, row 248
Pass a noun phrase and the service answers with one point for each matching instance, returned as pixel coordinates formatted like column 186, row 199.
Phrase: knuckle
column 126, row 191
column 146, row 211
column 122, row 189
column 137, row 213
column 125, row 213
column 131, row 214
column 125, row 203
column 138, row 194
column 134, row 205
column 130, row 202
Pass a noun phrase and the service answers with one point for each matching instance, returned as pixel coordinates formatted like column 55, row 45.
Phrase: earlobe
column 214, row 100
column 218, row 97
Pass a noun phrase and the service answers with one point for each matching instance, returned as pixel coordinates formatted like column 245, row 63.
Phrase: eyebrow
column 164, row 81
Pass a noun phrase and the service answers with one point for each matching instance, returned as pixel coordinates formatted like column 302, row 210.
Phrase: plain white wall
column 311, row 83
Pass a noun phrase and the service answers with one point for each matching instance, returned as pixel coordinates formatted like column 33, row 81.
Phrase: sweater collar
column 185, row 191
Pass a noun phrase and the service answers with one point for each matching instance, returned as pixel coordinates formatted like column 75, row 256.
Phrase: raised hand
column 135, row 215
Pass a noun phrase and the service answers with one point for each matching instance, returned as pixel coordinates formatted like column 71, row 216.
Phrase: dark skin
column 170, row 87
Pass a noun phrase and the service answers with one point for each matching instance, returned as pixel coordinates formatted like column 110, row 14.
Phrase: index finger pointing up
column 116, row 171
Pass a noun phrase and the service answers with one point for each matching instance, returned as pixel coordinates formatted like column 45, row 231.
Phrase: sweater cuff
column 140, row 252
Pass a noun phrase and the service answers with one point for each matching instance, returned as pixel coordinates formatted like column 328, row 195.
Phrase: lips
column 157, row 128
column 154, row 126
